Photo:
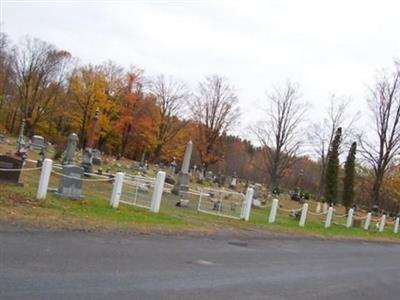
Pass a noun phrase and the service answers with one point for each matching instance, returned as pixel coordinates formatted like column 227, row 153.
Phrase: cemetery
column 199, row 149
column 126, row 197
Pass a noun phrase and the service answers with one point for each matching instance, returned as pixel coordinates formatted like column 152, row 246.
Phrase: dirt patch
column 11, row 198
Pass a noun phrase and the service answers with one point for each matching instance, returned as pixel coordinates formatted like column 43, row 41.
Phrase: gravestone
column 21, row 150
column 71, row 183
column 183, row 181
column 8, row 162
column 200, row 174
column 172, row 167
column 37, row 143
column 233, row 181
column 193, row 173
column 87, row 160
column 256, row 203
column 71, row 148
column 2, row 138
column 171, row 173
column 256, row 191
column 220, row 180
column 96, row 157
column 210, row 176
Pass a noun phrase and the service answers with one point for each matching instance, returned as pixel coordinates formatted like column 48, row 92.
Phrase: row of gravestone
column 71, row 178
column 70, row 184
column 37, row 142
column 197, row 174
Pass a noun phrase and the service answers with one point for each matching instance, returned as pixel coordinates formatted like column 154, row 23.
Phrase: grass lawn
column 92, row 212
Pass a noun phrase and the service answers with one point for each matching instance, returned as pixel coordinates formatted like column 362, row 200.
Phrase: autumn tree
column 349, row 174
column 382, row 145
column 7, row 78
column 136, row 116
column 40, row 76
column 391, row 190
column 115, row 88
column 279, row 133
column 214, row 110
column 171, row 98
column 332, row 168
column 87, row 91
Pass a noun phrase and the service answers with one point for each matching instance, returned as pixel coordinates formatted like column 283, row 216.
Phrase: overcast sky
column 326, row 46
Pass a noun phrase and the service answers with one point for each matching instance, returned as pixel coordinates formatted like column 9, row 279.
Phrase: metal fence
column 137, row 190
column 221, row 202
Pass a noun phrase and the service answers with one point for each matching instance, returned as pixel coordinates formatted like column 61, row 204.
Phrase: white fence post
column 303, row 216
column 245, row 213
column 157, row 193
column 329, row 217
column 274, row 209
column 44, row 179
column 367, row 221
column 396, row 225
column 318, row 208
column 117, row 189
column 382, row 223
column 349, row 221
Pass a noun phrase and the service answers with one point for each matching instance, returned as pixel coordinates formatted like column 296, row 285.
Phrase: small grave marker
column 37, row 143
column 71, row 182
column 12, row 163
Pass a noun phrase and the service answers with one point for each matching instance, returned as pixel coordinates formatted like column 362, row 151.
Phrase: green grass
column 284, row 223
column 18, row 203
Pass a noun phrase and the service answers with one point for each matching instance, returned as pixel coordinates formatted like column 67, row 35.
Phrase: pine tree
column 332, row 169
column 348, row 180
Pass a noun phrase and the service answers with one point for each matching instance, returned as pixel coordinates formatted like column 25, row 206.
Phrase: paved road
column 49, row 265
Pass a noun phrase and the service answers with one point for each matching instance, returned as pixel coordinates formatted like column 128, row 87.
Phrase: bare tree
column 381, row 149
column 280, row 134
column 321, row 133
column 40, row 71
column 214, row 110
column 171, row 97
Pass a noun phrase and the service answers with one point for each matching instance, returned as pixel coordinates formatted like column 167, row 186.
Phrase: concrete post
column 382, row 223
column 303, row 216
column 117, row 189
column 396, row 225
column 318, row 208
column 274, row 209
column 329, row 215
column 157, row 193
column 349, row 221
column 367, row 221
column 44, row 179
column 245, row 215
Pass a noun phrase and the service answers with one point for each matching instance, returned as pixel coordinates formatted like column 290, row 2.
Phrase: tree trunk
column 321, row 183
column 376, row 190
column 157, row 153
column 274, row 171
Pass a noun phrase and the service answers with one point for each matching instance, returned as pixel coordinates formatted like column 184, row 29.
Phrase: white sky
column 326, row 46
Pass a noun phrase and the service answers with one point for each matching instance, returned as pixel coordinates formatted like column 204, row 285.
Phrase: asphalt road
column 50, row 265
